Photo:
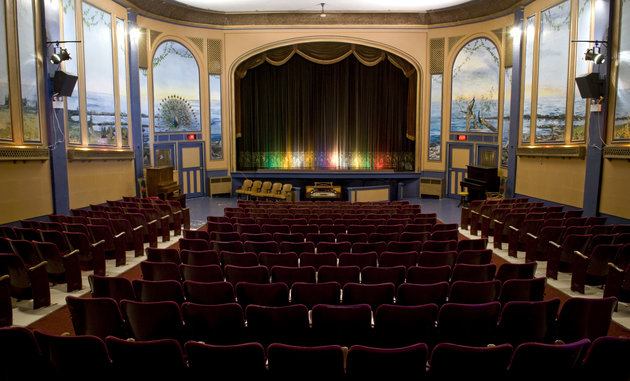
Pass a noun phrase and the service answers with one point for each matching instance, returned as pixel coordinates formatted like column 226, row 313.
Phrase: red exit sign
column 462, row 137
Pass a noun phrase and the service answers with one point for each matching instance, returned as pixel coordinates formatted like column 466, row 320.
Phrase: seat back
column 96, row 316
column 218, row 324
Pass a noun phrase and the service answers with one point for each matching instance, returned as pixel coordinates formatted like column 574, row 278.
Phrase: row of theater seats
column 588, row 248
column 287, row 290
column 72, row 358
column 264, row 190
column 387, row 325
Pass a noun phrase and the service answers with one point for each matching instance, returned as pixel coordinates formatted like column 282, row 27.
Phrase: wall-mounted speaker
column 590, row 85
column 63, row 83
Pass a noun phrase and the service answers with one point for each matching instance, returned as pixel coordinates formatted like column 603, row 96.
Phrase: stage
column 400, row 184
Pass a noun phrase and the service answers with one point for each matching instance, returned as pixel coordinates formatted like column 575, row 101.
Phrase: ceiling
column 249, row 6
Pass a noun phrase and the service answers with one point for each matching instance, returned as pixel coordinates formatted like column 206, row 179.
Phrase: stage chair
column 100, row 317
column 468, row 324
column 158, row 291
column 412, row 294
column 154, row 359
column 459, row 362
column 523, row 321
column 245, row 188
column 117, row 288
column 288, row 362
column 209, row 292
column 554, row 361
column 398, row 326
column 341, row 325
column 238, row 361
column 264, row 191
column 278, row 324
column 437, row 258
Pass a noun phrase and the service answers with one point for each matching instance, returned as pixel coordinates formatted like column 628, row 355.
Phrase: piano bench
column 463, row 196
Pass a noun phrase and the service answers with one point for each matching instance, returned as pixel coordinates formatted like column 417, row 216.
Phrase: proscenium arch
column 278, row 44
column 456, row 51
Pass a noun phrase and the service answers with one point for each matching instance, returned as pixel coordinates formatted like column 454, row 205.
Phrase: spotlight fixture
column 596, row 56
column 323, row 14
column 59, row 56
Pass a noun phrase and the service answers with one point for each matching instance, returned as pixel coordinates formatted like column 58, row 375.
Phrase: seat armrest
column 137, row 228
column 73, row 253
column 38, row 266
column 119, row 235
column 513, row 228
column 554, row 245
column 580, row 255
column 530, row 235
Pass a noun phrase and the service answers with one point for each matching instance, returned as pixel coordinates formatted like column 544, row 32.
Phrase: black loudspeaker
column 590, row 85
column 63, row 83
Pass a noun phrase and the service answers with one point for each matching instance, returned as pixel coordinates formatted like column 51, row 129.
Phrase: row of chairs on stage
column 77, row 357
column 387, row 325
column 264, row 190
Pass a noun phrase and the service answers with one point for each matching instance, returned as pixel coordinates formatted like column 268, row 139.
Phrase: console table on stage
column 323, row 190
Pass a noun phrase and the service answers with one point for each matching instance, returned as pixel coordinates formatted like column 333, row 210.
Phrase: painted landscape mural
column 621, row 129
column 175, row 89
column 555, row 24
column 475, row 91
column 6, row 133
column 435, row 128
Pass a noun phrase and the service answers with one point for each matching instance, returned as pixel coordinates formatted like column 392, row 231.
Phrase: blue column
column 597, row 121
column 56, row 131
column 515, row 105
column 135, row 116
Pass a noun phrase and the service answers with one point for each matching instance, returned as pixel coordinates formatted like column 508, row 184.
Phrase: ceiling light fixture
column 323, row 14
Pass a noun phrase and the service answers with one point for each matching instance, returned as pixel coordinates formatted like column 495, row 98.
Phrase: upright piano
column 480, row 180
column 160, row 182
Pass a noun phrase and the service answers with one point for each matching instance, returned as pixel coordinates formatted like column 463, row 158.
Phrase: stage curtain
column 327, row 53
column 325, row 106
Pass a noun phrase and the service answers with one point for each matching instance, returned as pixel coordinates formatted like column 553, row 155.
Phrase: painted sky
column 554, row 50
column 4, row 78
column 476, row 71
column 97, row 36
column 176, row 74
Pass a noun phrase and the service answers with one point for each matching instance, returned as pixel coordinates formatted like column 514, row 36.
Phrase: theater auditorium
column 201, row 189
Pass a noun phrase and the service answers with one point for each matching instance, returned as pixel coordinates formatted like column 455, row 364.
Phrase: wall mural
column 99, row 76
column 28, row 71
column 435, row 128
column 581, row 67
column 216, row 135
column 527, row 85
column 6, row 133
column 73, row 111
column 553, row 69
column 144, row 115
column 505, row 135
column 122, row 81
column 475, row 94
column 621, row 129
column 175, row 89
